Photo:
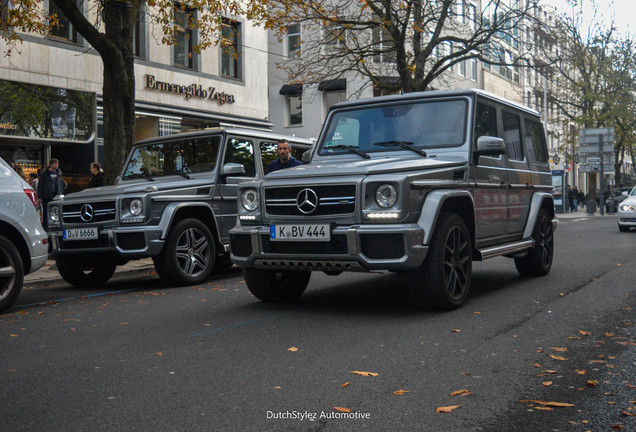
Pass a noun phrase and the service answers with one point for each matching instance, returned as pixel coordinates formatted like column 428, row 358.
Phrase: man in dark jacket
column 50, row 184
column 285, row 159
column 97, row 175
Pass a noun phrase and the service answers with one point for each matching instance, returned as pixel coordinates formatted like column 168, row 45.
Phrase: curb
column 48, row 272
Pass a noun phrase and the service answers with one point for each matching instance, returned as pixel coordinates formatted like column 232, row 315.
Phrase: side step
column 505, row 249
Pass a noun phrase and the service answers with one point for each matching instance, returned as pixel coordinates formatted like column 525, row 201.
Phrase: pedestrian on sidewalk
column 582, row 199
column 97, row 175
column 50, row 184
column 575, row 197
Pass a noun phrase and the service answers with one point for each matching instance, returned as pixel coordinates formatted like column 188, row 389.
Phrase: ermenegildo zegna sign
column 189, row 91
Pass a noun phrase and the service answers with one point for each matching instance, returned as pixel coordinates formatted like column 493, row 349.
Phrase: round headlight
column 54, row 214
column 249, row 199
column 385, row 196
column 136, row 207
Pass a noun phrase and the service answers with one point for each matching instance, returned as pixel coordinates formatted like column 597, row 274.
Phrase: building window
column 293, row 41
column 473, row 69
column 139, row 32
column 334, row 37
column 230, row 54
column 294, row 110
column 383, row 46
column 462, row 68
column 184, row 36
column 62, row 27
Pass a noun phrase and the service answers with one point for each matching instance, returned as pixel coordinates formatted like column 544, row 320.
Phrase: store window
column 295, row 110
column 62, row 27
column 230, row 52
column 184, row 36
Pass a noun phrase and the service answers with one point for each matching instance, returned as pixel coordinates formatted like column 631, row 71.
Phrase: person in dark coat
column 97, row 175
column 50, row 184
column 285, row 159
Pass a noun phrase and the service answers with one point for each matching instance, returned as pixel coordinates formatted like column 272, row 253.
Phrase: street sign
column 591, row 136
column 594, row 160
column 586, row 149
column 591, row 168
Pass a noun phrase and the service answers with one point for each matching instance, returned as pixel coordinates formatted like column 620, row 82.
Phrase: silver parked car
column 23, row 241
column 627, row 212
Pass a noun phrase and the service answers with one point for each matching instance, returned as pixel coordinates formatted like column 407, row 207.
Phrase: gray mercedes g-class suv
column 175, row 201
column 423, row 183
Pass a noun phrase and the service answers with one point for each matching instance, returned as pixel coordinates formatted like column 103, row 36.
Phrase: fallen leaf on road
column 345, row 384
column 447, row 409
column 592, row 383
column 341, row 409
column 455, row 330
column 401, row 392
column 552, row 404
column 292, row 349
column 460, row 392
column 546, row 383
column 580, row 371
column 558, row 349
column 556, row 357
column 585, row 333
column 367, row 374
column 627, row 413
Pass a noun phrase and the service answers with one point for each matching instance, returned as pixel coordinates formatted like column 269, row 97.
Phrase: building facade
column 52, row 91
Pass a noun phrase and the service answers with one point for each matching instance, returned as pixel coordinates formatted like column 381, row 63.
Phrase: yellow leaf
column 14, row 335
column 367, row 374
column 552, row 404
column 447, row 409
column 292, row 349
column 401, row 392
column 585, row 333
column 557, row 349
column 592, row 383
column 460, row 392
column 546, row 383
column 550, row 371
column 345, row 384
column 556, row 357
column 341, row 409
column 455, row 330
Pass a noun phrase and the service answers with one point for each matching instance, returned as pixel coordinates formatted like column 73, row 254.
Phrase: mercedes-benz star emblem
column 307, row 201
column 86, row 213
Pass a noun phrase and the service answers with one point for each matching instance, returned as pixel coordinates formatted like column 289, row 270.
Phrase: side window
column 485, row 121
column 241, row 151
column 63, row 29
column 535, row 141
column 512, row 135
column 268, row 153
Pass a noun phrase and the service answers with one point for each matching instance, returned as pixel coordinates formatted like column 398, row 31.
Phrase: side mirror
column 232, row 169
column 624, row 194
column 306, row 157
column 490, row 146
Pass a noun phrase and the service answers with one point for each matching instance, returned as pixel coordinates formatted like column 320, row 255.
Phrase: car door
column 238, row 150
column 519, row 176
column 490, row 180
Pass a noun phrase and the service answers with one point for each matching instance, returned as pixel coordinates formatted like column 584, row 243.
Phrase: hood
column 141, row 186
column 366, row 167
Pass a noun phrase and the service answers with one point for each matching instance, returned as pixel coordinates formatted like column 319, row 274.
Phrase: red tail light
column 32, row 196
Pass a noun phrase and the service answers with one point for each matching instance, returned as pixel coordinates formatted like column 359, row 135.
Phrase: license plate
column 317, row 232
column 80, row 234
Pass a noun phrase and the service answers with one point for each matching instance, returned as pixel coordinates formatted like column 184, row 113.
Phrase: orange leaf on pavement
column 345, row 384
column 367, row 374
column 292, row 349
column 447, row 409
column 401, row 392
column 556, row 357
column 341, row 409
column 460, row 392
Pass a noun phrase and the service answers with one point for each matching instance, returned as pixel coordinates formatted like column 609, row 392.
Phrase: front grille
column 89, row 212
column 331, row 200
column 628, row 219
column 337, row 245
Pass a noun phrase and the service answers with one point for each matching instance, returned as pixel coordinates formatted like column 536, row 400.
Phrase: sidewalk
column 48, row 272
column 581, row 214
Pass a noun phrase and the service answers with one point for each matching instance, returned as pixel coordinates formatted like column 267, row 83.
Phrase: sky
column 622, row 12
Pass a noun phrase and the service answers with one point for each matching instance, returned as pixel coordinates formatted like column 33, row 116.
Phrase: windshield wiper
column 178, row 172
column 404, row 144
column 351, row 149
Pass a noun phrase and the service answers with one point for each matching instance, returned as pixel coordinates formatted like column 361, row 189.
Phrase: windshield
column 418, row 125
column 170, row 158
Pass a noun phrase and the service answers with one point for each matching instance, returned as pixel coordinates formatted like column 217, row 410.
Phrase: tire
column 538, row 261
column 11, row 273
column 442, row 282
column 85, row 272
column 188, row 256
column 622, row 228
column 276, row 286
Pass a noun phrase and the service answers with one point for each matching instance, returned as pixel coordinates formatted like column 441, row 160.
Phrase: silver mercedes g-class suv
column 423, row 183
column 175, row 201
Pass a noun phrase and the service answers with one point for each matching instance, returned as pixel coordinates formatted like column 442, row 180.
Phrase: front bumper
column 351, row 248
column 627, row 218
column 128, row 242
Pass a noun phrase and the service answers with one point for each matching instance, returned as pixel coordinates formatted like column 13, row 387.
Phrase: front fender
column 171, row 210
column 432, row 207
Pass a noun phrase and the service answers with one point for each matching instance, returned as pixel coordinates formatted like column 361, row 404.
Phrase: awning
column 333, row 85
column 291, row 89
